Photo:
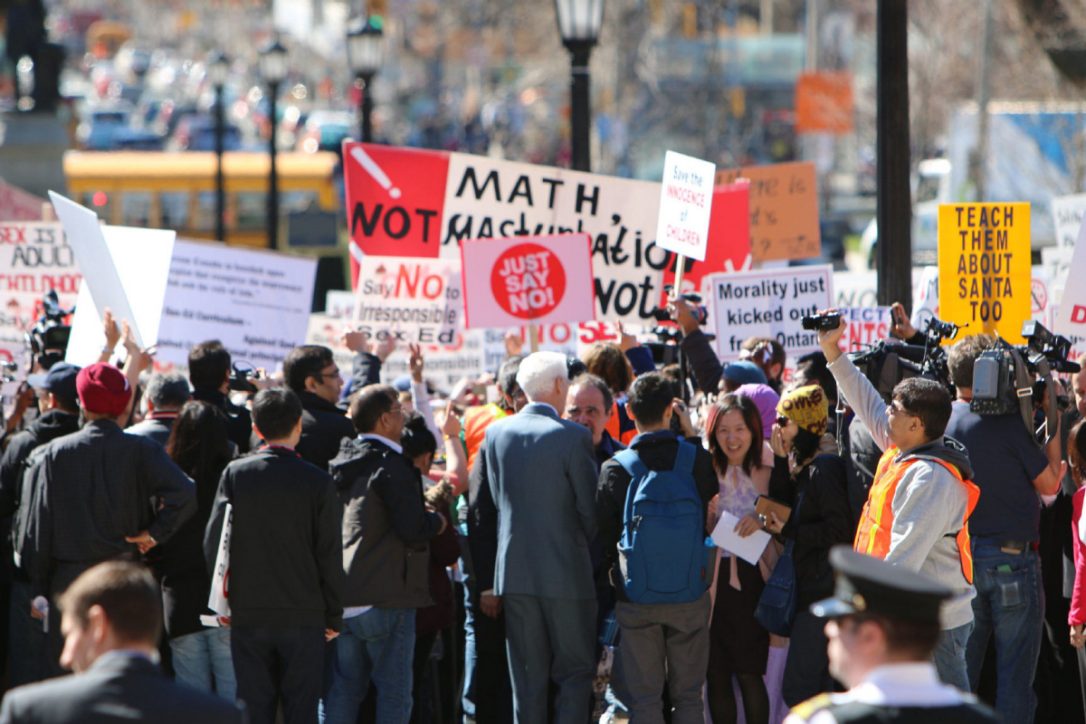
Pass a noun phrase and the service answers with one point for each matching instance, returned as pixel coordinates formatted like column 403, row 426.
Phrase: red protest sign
column 540, row 280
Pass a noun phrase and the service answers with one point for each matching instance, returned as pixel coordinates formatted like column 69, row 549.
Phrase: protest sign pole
column 680, row 264
column 533, row 337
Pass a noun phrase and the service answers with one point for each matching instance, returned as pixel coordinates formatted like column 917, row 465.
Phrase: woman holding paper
column 739, row 646
column 809, row 476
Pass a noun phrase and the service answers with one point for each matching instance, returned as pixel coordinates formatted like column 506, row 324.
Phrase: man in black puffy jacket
column 311, row 372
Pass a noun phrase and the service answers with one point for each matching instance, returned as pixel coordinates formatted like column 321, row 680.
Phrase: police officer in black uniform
column 883, row 624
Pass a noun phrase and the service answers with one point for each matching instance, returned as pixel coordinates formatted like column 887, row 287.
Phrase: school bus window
column 136, row 208
column 175, row 209
column 252, row 210
column 203, row 218
column 300, row 201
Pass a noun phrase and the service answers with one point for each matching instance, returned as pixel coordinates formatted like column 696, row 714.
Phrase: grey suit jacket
column 542, row 476
column 116, row 688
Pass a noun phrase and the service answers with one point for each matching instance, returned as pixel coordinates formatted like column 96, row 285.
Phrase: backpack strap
column 684, row 458
column 631, row 463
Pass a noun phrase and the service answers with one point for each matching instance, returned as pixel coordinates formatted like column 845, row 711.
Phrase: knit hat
column 765, row 399
column 744, row 372
column 103, row 389
column 807, row 407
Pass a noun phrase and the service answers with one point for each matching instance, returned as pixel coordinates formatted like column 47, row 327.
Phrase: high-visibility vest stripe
column 476, row 421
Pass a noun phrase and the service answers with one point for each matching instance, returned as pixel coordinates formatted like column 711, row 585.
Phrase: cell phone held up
column 822, row 322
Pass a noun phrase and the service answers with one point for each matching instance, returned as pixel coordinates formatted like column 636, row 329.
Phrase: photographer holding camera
column 1012, row 472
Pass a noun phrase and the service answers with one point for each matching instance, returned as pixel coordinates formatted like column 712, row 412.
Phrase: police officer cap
column 867, row 585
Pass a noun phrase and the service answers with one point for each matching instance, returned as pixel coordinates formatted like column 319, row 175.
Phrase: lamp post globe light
column 273, row 69
column 218, row 69
column 365, row 53
column 579, row 23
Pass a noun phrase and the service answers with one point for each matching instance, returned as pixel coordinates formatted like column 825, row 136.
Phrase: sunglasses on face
column 782, row 420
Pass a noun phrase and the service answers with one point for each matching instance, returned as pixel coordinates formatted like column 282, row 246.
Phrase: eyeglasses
column 334, row 373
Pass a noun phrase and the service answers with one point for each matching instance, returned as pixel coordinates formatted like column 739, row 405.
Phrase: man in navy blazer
column 112, row 618
column 542, row 477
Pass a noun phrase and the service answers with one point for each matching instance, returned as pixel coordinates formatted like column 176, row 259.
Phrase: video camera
column 891, row 361
column 1013, row 378
column 47, row 341
column 700, row 311
column 242, row 377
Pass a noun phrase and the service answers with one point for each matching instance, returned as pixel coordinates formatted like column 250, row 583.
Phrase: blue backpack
column 662, row 550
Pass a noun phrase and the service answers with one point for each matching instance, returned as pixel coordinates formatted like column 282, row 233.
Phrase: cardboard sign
column 1067, row 212
column 768, row 303
column 18, row 205
column 984, row 255
column 1071, row 317
column 686, row 199
column 824, row 102
column 34, row 258
column 864, row 326
column 404, row 202
column 783, row 209
column 418, row 298
column 540, row 280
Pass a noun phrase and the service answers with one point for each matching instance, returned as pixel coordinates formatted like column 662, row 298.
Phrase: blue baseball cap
column 60, row 381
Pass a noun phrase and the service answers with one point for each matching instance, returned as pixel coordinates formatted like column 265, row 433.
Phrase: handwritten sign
column 768, row 303
column 984, row 256
column 1067, row 212
column 686, row 198
column 783, row 209
column 542, row 280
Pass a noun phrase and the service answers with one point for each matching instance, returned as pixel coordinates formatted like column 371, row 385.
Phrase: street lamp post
column 365, row 53
column 579, row 23
column 273, row 68
column 218, row 67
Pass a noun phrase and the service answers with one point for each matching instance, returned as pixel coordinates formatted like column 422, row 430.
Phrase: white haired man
column 542, row 476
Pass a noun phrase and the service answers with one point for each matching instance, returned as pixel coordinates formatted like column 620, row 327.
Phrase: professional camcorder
column 242, row 377
column 1012, row 378
column 47, row 341
column 891, row 361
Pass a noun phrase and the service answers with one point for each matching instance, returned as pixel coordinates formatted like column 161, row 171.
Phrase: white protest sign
column 686, row 199
column 34, row 259
column 1057, row 261
column 538, row 280
column 1067, row 212
column 1078, row 343
column 445, row 364
column 327, row 331
column 1071, row 317
column 96, row 262
column 418, row 299
column 768, row 303
column 864, row 326
column 339, row 303
column 141, row 261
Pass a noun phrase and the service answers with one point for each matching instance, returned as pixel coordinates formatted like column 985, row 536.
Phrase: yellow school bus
column 176, row 190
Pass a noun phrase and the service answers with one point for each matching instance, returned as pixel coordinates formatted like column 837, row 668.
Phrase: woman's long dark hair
column 200, row 446
column 753, row 419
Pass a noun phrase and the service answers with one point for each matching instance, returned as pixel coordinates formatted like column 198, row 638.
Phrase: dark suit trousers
column 270, row 663
column 550, row 639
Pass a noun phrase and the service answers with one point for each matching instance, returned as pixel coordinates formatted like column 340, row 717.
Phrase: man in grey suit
column 112, row 619
column 541, row 472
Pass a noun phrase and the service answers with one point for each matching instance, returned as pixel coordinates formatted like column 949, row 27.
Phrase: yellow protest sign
column 984, row 268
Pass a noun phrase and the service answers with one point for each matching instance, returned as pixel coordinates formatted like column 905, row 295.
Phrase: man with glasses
column 917, row 511
column 386, row 556
column 311, row 372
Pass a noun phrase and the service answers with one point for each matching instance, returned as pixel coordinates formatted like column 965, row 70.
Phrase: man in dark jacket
column 311, row 372
column 209, row 372
column 89, row 493
column 286, row 565
column 386, row 532
column 654, row 634
column 112, row 621
column 166, row 393
column 59, row 405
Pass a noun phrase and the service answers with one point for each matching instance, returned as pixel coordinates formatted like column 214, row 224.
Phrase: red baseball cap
column 103, row 389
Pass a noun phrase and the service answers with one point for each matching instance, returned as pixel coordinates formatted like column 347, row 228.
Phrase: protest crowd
column 566, row 540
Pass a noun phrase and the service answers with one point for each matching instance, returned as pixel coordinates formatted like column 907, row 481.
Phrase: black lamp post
column 273, row 68
column 579, row 22
column 365, row 53
column 218, row 68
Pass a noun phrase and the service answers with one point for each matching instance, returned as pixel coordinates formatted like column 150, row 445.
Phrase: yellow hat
column 807, row 407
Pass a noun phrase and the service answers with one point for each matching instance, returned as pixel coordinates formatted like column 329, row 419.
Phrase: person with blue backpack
column 652, row 505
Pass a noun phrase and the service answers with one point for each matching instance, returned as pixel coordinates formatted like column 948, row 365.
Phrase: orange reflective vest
column 614, row 427
column 873, row 535
column 476, row 421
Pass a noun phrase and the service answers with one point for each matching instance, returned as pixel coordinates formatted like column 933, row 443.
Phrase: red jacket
column 1077, row 615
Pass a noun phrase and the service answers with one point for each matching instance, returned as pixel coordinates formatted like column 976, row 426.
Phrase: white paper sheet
column 750, row 549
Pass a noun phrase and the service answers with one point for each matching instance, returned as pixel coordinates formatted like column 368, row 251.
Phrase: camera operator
column 210, row 366
column 1012, row 472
